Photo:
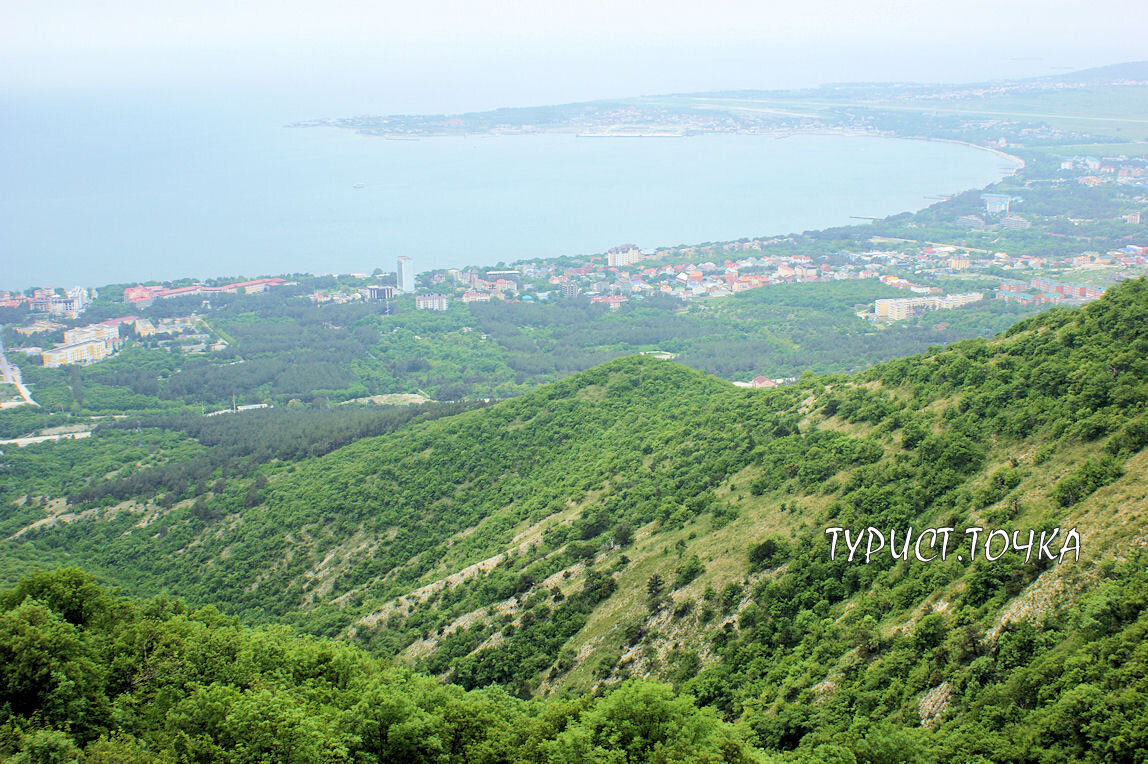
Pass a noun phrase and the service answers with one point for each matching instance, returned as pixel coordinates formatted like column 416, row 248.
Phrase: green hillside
column 644, row 520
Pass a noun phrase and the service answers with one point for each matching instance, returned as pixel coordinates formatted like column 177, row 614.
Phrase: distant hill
column 642, row 519
column 1132, row 70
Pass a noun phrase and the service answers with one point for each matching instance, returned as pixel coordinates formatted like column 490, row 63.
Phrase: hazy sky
column 447, row 55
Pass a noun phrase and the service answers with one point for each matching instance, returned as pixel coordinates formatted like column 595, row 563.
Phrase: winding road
column 10, row 375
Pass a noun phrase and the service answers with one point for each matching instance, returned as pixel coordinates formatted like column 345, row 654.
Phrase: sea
column 99, row 189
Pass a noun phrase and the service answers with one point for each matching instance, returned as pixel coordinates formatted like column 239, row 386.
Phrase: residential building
column 144, row 296
column 900, row 308
column 93, row 332
column 70, row 305
column 76, row 353
column 38, row 326
column 1014, row 223
column 996, row 204
column 508, row 275
column 627, row 254
column 613, row 302
column 176, row 324
column 431, row 302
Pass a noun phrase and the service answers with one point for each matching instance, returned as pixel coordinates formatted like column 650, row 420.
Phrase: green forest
column 627, row 564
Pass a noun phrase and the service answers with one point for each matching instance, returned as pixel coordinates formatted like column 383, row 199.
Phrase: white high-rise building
column 406, row 274
column 627, row 254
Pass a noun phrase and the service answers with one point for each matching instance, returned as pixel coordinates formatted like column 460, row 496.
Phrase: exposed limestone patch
column 1037, row 600
column 320, row 579
column 933, row 704
column 418, row 596
column 823, row 690
column 58, row 514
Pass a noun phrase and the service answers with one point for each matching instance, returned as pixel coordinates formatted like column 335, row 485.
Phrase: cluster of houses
column 998, row 214
column 66, row 304
column 1045, row 291
column 758, row 383
column 1096, row 171
column 432, row 301
column 84, row 345
column 614, row 284
column 944, row 259
column 626, row 272
column 612, row 279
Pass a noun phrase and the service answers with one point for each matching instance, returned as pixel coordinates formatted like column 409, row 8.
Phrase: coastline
column 755, row 228
column 607, row 132
column 1020, row 163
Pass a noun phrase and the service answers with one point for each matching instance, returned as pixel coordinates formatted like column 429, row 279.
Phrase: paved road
column 21, row 442
column 11, row 376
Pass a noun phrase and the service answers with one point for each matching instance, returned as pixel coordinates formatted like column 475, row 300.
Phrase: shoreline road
column 11, row 376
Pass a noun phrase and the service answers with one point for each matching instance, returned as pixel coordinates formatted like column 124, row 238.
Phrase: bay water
column 110, row 189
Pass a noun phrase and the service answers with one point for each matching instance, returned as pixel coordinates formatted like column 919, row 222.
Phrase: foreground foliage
column 86, row 674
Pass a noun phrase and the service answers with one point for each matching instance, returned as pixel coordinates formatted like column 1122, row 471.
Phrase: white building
column 900, row 308
column 627, row 254
column 406, row 274
column 996, row 204
column 431, row 302
column 101, row 332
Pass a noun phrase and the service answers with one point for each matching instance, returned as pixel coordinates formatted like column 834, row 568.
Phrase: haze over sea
column 97, row 190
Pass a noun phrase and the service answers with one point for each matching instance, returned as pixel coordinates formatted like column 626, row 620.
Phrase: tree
column 645, row 721
column 624, row 534
column 393, row 727
column 46, row 668
column 47, row 747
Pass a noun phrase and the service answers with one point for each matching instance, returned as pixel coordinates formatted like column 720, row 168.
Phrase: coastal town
column 622, row 275
column 628, row 274
column 85, row 344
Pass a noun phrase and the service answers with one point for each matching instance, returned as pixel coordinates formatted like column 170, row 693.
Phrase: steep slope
column 455, row 491
column 642, row 519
